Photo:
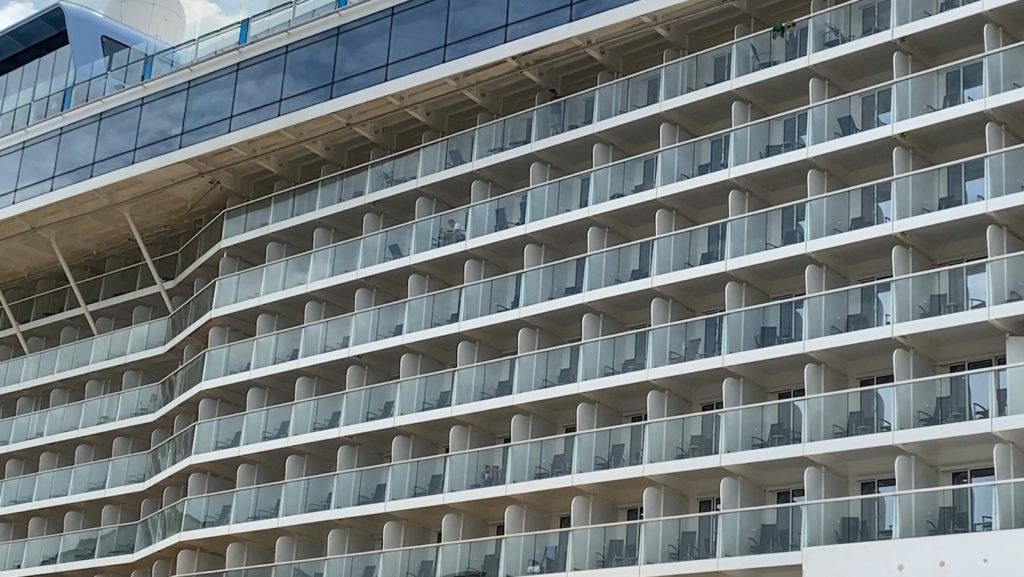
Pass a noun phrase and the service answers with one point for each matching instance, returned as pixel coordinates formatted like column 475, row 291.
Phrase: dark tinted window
column 309, row 67
column 76, row 147
column 9, row 163
column 360, row 82
column 397, row 41
column 37, row 162
column 418, row 30
column 162, row 118
column 474, row 44
column 537, row 23
column 117, row 133
column 209, row 102
column 468, row 18
column 584, row 8
column 362, row 48
column 259, row 84
column 524, row 9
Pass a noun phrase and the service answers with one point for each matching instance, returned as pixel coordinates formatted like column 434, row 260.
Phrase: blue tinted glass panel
column 584, row 8
column 259, row 84
column 349, row 85
column 286, row 79
column 117, row 133
column 209, row 102
column 416, row 63
column 69, row 178
column 76, row 147
column 157, row 148
column 32, row 191
column 37, row 162
column 9, row 163
column 309, row 67
column 418, row 30
column 315, row 96
column 525, row 9
column 474, row 44
column 162, row 118
column 239, row 121
column 363, row 48
column 205, row 133
column 111, row 164
column 538, row 23
column 468, row 18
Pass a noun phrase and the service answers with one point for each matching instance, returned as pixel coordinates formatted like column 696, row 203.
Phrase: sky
column 213, row 13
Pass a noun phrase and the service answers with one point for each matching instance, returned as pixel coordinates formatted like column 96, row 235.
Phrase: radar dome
column 163, row 20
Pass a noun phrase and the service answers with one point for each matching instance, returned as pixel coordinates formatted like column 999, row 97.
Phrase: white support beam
column 283, row 169
column 14, row 323
column 484, row 99
column 325, row 151
column 607, row 57
column 216, row 175
column 749, row 8
column 149, row 261
column 420, row 112
column 427, row 117
column 673, row 31
column 539, row 75
column 375, row 134
column 481, row 97
column 74, row 285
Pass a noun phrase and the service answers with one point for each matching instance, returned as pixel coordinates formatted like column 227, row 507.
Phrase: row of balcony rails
column 926, row 191
column 972, row 286
column 974, row 396
column 775, row 529
column 845, row 115
column 940, row 188
column 26, row 100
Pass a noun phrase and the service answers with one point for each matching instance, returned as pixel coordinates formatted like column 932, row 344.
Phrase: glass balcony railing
column 607, row 449
column 680, row 539
column 920, row 403
column 847, row 115
column 763, row 426
column 776, row 529
column 849, row 22
column 914, row 10
column 918, row 193
column 94, row 289
column 757, row 52
column 924, row 513
column 105, row 347
column 115, row 345
column 942, row 292
column 765, row 326
column 487, row 467
column 543, row 459
column 55, row 84
column 605, row 547
column 869, row 306
column 860, row 308
column 773, row 529
column 684, row 438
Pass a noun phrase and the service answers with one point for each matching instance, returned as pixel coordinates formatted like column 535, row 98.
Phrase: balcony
column 720, row 536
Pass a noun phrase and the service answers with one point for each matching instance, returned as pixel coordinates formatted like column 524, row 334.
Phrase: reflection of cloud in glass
column 207, row 15
column 203, row 15
column 14, row 12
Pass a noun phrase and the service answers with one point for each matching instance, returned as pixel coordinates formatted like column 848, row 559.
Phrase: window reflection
column 394, row 42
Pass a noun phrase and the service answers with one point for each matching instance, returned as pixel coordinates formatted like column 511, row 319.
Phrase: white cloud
column 13, row 12
column 208, row 15
column 203, row 15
